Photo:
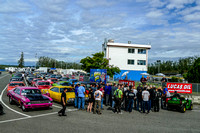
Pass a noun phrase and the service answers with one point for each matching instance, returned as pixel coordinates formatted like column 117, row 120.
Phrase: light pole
column 158, row 61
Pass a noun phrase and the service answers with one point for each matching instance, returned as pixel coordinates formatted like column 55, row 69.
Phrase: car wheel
column 23, row 107
column 183, row 109
column 191, row 107
column 168, row 107
column 10, row 100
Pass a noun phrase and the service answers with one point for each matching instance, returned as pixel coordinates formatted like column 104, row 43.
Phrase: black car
column 1, row 110
column 64, row 79
column 16, row 79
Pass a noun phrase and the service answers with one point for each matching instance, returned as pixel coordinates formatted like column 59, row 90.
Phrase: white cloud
column 178, row 3
column 154, row 14
column 14, row 6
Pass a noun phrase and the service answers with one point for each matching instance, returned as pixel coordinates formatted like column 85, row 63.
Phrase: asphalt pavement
column 47, row 120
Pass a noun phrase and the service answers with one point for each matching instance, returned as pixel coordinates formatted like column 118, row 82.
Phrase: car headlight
column 50, row 101
column 28, row 103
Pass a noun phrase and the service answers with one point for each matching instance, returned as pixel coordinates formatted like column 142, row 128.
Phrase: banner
column 179, row 87
column 81, row 78
column 98, row 75
column 128, row 82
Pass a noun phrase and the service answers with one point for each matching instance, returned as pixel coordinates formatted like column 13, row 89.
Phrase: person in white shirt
column 145, row 97
column 135, row 92
column 97, row 96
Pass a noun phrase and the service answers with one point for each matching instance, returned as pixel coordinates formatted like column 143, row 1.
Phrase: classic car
column 62, row 83
column 75, row 81
column 43, row 85
column 52, row 80
column 29, row 97
column 55, row 93
column 64, row 79
column 35, row 80
column 16, row 79
column 14, row 84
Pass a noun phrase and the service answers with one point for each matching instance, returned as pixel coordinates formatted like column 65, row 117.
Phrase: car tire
column 10, row 100
column 183, row 109
column 168, row 107
column 191, row 107
column 23, row 107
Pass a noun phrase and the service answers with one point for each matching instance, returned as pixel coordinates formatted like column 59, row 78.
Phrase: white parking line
column 68, row 110
column 57, row 106
column 25, row 81
column 4, row 76
column 9, row 107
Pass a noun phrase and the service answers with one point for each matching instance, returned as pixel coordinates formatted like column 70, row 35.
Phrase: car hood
column 36, row 97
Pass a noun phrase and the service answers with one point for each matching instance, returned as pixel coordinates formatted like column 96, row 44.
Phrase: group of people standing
column 121, row 96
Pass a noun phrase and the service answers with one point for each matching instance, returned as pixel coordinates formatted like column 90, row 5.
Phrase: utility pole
column 35, row 60
column 158, row 61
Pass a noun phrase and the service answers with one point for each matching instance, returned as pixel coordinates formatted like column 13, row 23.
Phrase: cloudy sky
column 69, row 30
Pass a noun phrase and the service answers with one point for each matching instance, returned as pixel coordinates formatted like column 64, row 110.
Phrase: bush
column 174, row 79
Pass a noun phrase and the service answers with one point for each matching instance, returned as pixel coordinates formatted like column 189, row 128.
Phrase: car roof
column 62, row 86
column 16, row 82
column 27, row 88
column 43, row 81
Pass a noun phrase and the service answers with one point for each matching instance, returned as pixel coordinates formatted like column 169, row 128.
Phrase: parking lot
column 43, row 120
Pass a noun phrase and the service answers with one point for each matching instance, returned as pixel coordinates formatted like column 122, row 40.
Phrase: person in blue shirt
column 81, row 96
column 165, row 90
column 108, row 89
column 76, row 95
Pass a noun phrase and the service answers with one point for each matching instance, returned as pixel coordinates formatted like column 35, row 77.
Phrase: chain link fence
column 195, row 88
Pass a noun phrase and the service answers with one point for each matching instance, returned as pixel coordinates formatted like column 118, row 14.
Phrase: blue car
column 75, row 81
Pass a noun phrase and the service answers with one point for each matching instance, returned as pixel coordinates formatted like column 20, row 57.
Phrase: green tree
column 193, row 75
column 21, row 61
column 97, row 61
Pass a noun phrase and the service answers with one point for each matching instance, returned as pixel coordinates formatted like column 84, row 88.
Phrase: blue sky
column 70, row 30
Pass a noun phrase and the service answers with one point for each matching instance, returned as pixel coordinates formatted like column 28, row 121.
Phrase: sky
column 69, row 30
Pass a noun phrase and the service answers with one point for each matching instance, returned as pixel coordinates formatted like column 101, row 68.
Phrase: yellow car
column 55, row 93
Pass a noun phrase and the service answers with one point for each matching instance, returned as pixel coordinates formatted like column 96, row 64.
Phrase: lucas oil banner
column 98, row 75
column 179, row 87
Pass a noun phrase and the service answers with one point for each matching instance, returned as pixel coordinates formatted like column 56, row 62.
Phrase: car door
column 54, row 93
column 17, row 96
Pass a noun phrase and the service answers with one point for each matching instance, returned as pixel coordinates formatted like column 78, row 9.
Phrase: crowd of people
column 144, row 98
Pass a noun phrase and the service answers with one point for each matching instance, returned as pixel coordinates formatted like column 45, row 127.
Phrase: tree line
column 188, row 67
column 44, row 61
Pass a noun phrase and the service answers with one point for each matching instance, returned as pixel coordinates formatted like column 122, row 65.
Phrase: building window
column 141, row 51
column 131, row 62
column 131, row 50
column 141, row 62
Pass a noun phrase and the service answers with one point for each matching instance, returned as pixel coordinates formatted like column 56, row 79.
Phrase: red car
column 52, row 80
column 43, row 85
column 14, row 84
column 34, row 81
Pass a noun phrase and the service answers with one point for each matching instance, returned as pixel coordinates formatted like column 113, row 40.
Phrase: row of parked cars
column 41, row 90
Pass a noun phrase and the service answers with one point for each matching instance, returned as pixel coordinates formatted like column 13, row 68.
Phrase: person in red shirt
column 143, row 80
column 103, row 91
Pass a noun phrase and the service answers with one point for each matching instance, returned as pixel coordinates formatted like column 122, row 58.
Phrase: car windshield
column 68, row 90
column 43, row 83
column 30, row 91
column 65, row 84
column 73, row 81
column 15, row 84
column 15, row 79
column 54, row 80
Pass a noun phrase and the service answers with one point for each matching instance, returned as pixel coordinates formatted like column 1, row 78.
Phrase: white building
column 132, row 59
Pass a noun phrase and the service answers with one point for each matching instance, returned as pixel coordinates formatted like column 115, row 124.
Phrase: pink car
column 29, row 97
